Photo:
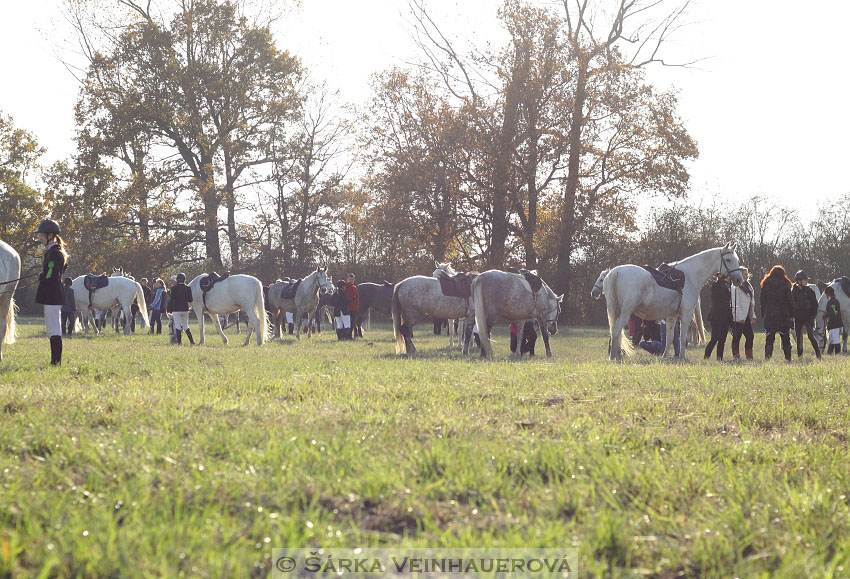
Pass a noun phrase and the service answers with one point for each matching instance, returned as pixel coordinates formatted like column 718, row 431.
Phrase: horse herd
column 483, row 298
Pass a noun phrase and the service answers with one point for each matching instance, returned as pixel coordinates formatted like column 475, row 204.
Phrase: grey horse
column 501, row 295
column 306, row 300
column 416, row 299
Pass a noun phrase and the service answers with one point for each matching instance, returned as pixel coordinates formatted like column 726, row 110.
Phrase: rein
column 20, row 278
column 723, row 264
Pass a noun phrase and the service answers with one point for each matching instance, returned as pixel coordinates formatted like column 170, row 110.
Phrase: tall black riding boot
column 179, row 334
column 339, row 334
column 291, row 328
column 55, row 350
column 189, row 335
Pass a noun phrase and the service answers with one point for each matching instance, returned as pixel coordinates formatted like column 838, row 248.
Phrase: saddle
column 457, row 286
column 532, row 278
column 667, row 276
column 288, row 293
column 844, row 282
column 207, row 282
column 93, row 281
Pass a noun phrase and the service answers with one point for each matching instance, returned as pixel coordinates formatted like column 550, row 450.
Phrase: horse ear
column 560, row 298
column 436, row 264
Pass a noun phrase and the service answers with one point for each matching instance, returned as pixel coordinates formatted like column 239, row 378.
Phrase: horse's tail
column 143, row 307
column 621, row 341
column 260, row 312
column 11, row 324
column 398, row 320
column 700, row 323
column 481, row 317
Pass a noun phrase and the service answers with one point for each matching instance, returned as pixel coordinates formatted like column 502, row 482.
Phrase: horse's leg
column 217, row 325
column 127, row 313
column 544, row 332
column 297, row 319
column 201, row 323
column 249, row 327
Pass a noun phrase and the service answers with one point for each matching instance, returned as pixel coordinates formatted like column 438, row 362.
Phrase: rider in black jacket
column 805, row 308
column 720, row 317
column 49, row 292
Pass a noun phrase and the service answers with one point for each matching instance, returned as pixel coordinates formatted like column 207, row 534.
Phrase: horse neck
column 701, row 266
column 312, row 282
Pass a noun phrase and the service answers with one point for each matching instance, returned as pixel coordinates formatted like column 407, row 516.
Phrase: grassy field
column 136, row 459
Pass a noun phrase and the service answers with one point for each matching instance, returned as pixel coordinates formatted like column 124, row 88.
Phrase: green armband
column 50, row 266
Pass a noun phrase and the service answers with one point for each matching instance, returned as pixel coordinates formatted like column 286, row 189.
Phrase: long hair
column 776, row 271
column 60, row 245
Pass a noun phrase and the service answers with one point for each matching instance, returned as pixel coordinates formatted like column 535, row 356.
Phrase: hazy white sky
column 770, row 107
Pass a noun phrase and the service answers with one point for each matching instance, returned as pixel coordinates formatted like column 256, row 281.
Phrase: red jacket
column 354, row 304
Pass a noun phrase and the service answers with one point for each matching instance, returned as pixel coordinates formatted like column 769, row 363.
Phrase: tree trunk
column 562, row 279
column 210, row 198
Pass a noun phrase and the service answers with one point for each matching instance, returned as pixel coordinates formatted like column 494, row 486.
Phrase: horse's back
column 10, row 261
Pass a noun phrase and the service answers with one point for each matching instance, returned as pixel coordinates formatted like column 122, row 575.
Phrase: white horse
column 306, row 300
column 696, row 329
column 121, row 291
column 10, row 271
column 844, row 302
column 236, row 292
column 631, row 289
column 446, row 269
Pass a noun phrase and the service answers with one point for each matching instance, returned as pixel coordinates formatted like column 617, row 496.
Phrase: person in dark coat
column 777, row 310
column 341, row 302
column 178, row 305
column 805, row 309
column 529, row 337
column 49, row 292
column 833, row 322
column 720, row 316
column 157, row 305
column 69, row 309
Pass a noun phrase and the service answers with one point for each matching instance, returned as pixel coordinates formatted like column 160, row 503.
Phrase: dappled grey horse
column 501, row 295
column 417, row 299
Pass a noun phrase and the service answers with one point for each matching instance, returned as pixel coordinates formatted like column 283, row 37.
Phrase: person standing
column 805, row 309
column 157, row 304
column 833, row 322
column 720, row 317
column 69, row 307
column 49, row 292
column 354, row 304
column 341, row 302
column 743, row 314
column 178, row 306
column 777, row 310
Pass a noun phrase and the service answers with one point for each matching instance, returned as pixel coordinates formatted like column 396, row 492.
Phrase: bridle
column 723, row 263
column 599, row 285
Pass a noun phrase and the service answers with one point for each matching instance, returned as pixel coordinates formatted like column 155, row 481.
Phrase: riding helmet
column 181, row 278
column 48, row 226
column 800, row 275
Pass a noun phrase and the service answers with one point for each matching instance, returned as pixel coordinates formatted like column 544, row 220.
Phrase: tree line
column 202, row 143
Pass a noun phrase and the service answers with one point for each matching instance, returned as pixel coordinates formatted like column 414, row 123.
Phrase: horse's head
column 443, row 269
column 322, row 276
column 730, row 264
column 552, row 309
column 596, row 292
column 117, row 272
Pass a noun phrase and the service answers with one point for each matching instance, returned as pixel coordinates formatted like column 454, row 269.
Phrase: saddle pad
column 93, row 282
column 207, row 282
column 670, row 278
column 289, row 291
column 533, row 280
column 459, row 286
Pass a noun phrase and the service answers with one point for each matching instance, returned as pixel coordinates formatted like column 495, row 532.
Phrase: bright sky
column 769, row 106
